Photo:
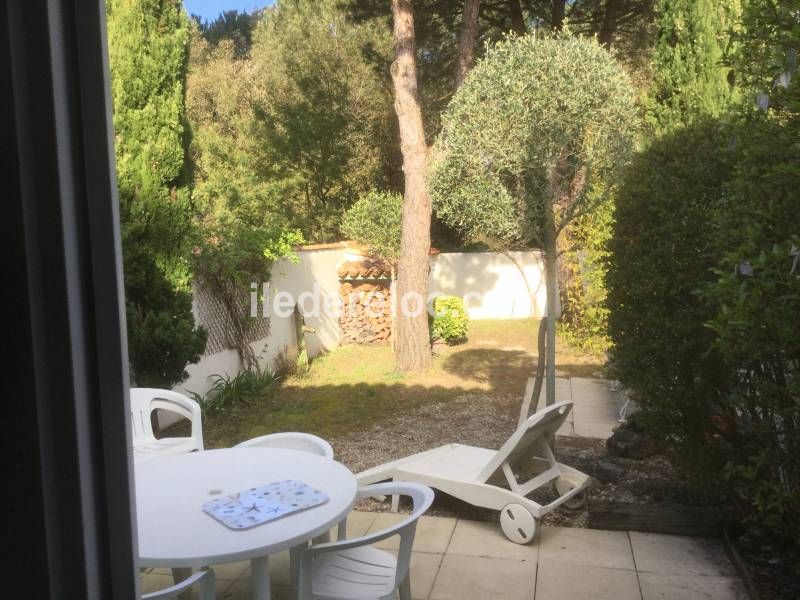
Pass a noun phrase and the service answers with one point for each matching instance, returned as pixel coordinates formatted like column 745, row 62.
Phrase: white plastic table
column 175, row 532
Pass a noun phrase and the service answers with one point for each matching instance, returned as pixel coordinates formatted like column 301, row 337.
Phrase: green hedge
column 704, row 294
column 756, row 325
column 661, row 251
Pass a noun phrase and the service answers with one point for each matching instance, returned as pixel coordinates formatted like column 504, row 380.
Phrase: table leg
column 259, row 578
column 295, row 556
column 178, row 575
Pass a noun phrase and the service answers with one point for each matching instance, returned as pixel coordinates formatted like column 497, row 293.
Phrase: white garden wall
column 494, row 285
column 316, row 266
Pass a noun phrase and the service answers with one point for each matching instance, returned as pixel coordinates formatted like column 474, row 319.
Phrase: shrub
column 147, row 58
column 375, row 220
column 450, row 321
column 584, row 311
column 757, row 326
column 162, row 336
column 661, row 251
column 243, row 388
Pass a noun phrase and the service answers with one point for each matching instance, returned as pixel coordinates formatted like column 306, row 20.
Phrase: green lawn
column 355, row 386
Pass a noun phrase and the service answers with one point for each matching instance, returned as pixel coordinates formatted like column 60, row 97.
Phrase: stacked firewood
column 365, row 317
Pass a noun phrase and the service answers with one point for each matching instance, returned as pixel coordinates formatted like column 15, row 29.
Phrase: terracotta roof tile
column 368, row 268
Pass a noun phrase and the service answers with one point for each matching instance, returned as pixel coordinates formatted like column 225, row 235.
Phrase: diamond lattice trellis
column 213, row 316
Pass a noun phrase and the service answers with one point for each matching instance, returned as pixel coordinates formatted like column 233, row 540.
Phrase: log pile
column 365, row 317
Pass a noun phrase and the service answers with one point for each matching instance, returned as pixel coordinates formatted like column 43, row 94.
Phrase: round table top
column 170, row 493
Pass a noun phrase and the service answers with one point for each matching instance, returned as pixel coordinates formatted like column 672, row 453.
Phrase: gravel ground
column 474, row 419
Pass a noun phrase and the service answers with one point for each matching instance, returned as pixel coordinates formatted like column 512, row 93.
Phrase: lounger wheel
column 578, row 501
column 517, row 523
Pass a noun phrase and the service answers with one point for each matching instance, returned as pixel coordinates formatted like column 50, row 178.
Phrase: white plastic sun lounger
column 497, row 479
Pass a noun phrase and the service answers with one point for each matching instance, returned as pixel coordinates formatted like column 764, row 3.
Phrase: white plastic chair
column 145, row 445
column 353, row 569
column 497, row 479
column 205, row 578
column 305, row 442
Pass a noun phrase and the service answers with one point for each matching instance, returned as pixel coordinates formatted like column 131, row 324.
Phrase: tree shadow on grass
column 501, row 370
column 505, row 371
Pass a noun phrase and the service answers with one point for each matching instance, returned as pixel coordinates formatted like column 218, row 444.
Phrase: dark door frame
column 66, row 427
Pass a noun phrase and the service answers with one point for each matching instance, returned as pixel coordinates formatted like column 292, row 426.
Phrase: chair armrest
column 403, row 528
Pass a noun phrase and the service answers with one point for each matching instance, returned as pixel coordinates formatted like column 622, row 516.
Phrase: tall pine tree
column 690, row 79
column 147, row 42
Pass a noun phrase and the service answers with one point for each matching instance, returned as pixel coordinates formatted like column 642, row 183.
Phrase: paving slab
column 358, row 523
column 474, row 538
column 231, row 571
column 605, row 412
column 596, row 407
column 562, row 581
column 563, row 391
column 424, row 569
column 432, row 535
column 600, row 431
column 240, row 590
column 475, row 578
column 690, row 587
column 152, row 582
column 677, row 555
column 280, row 570
column 567, row 429
column 593, row 390
column 586, row 547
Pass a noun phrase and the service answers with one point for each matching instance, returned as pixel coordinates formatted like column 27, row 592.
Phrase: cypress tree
column 690, row 79
column 147, row 42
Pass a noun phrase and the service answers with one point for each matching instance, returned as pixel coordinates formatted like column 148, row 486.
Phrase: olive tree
column 533, row 125
column 375, row 220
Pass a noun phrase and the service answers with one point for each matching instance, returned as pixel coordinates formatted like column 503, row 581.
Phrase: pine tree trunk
column 413, row 345
column 609, row 24
column 558, row 13
column 517, row 18
column 466, row 40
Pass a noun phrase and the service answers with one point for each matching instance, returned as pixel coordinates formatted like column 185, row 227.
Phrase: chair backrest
column 304, row 442
column 421, row 497
column 538, row 427
column 204, row 580
column 142, row 426
column 145, row 400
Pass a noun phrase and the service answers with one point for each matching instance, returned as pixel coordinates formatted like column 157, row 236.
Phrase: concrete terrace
column 456, row 559
column 596, row 407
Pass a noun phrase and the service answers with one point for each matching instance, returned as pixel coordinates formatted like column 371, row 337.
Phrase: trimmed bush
column 704, row 293
column 450, row 321
column 756, row 327
column 661, row 252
